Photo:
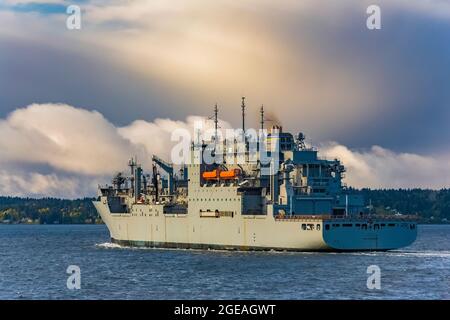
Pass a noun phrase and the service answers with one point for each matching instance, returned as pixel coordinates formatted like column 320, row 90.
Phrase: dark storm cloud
column 325, row 74
column 37, row 74
column 405, row 66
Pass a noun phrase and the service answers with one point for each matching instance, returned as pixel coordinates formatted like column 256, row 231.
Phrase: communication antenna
column 215, row 119
column 243, row 114
column 216, row 122
column 262, row 117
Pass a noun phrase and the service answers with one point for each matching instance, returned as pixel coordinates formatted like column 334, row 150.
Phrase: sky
column 75, row 104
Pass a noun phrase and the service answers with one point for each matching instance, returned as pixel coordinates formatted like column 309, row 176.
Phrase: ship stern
column 367, row 235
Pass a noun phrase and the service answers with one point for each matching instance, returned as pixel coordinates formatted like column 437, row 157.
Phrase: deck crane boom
column 168, row 168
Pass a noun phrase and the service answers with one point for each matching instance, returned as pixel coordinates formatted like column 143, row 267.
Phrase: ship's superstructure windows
column 327, row 227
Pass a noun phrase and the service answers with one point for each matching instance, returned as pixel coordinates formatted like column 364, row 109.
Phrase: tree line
column 433, row 206
column 47, row 211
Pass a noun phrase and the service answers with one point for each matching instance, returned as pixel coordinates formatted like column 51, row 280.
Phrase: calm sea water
column 34, row 259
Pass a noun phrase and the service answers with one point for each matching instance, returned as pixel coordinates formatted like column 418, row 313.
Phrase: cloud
column 64, row 151
column 35, row 184
column 382, row 168
column 63, row 137
column 17, row 2
column 315, row 64
column 60, row 150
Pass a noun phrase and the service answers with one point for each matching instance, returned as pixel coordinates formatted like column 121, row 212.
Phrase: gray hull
column 147, row 226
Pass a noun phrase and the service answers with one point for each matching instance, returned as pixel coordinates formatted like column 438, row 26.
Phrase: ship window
column 327, row 227
column 358, row 225
column 383, row 225
column 347, row 225
column 412, row 226
column 318, row 227
column 303, row 226
column 376, row 226
column 391, row 225
column 336, row 225
column 364, row 227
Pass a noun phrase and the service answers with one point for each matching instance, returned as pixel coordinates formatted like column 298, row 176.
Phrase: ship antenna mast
column 243, row 113
column 216, row 122
column 262, row 117
column 243, row 117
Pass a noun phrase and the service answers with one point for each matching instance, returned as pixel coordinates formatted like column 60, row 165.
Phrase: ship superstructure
column 281, row 197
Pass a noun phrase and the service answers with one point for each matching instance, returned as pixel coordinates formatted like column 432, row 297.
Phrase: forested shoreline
column 433, row 206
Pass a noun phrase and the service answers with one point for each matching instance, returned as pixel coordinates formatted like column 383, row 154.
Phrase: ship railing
column 300, row 217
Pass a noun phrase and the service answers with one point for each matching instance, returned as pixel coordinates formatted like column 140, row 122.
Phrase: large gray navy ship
column 294, row 200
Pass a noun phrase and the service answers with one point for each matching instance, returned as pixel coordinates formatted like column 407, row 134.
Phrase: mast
column 243, row 114
column 216, row 122
column 262, row 117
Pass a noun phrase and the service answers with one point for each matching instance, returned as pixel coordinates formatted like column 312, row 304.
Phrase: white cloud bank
column 63, row 151
column 383, row 168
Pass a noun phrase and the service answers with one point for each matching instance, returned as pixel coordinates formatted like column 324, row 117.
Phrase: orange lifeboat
column 230, row 174
column 211, row 175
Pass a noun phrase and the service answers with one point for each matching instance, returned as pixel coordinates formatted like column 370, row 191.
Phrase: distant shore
column 432, row 206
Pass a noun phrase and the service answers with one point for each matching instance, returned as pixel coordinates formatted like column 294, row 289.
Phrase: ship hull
column 148, row 226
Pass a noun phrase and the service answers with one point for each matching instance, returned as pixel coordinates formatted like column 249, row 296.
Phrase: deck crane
column 168, row 168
